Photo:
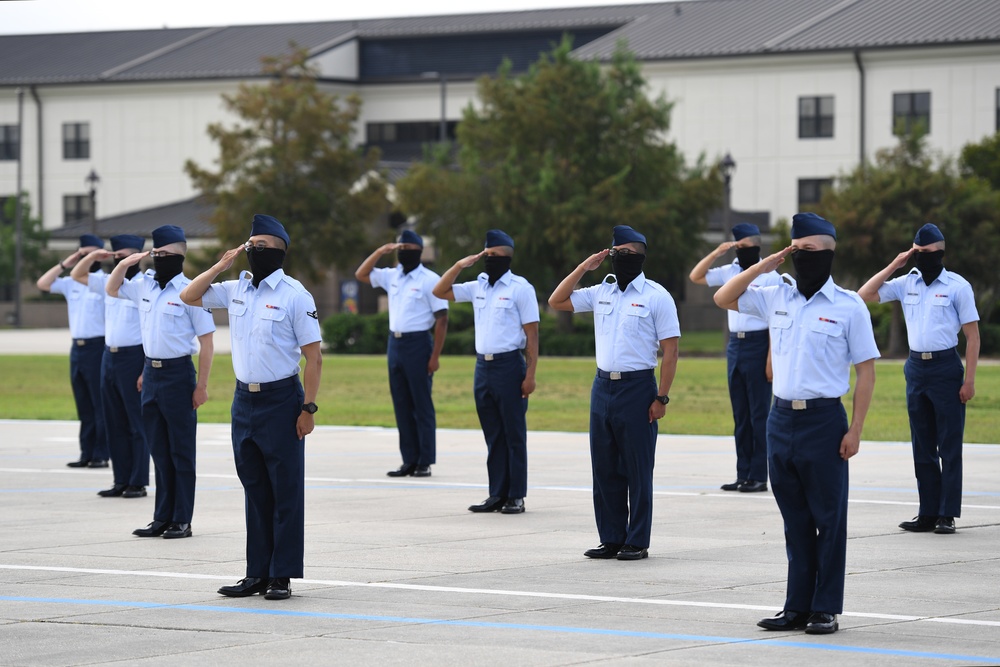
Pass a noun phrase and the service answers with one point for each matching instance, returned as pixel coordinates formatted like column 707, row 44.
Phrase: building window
column 76, row 141
column 9, row 144
column 910, row 110
column 811, row 190
column 410, row 132
column 76, row 207
column 815, row 117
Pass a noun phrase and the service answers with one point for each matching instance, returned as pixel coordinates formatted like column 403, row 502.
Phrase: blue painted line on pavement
column 899, row 653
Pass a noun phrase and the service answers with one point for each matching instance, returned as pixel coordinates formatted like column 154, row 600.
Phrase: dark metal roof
column 653, row 31
column 191, row 215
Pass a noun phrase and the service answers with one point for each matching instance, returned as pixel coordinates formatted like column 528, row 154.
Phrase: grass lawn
column 355, row 391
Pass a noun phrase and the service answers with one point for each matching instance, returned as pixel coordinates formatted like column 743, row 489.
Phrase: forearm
column 115, row 280
column 367, row 266
column 561, row 298
column 313, row 371
column 195, row 290
column 972, row 346
column 728, row 296
column 869, row 291
column 440, row 332
column 864, row 388
column 205, row 355
column 668, row 367
column 443, row 288
column 81, row 271
column 531, row 350
column 45, row 282
column 697, row 275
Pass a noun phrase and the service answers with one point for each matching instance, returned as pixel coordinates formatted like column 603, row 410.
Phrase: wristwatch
column 663, row 399
column 310, row 408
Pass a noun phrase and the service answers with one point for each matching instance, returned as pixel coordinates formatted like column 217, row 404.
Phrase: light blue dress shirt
column 741, row 321
column 411, row 304
column 500, row 311
column 814, row 342
column 268, row 324
column 169, row 326
column 629, row 325
column 934, row 313
column 86, row 309
column 121, row 316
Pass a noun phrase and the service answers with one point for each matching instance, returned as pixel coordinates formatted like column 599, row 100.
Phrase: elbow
column 719, row 301
column 186, row 297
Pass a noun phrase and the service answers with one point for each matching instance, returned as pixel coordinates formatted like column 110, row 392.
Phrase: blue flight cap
column 410, row 236
column 123, row 241
column 810, row 224
column 168, row 234
column 743, row 230
column 498, row 237
column 928, row 234
column 624, row 234
column 90, row 240
column 265, row 224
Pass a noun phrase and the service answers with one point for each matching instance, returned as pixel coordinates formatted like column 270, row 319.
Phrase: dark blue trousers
column 750, row 395
column 622, row 453
column 270, row 461
column 122, row 404
column 171, row 422
column 410, row 386
column 85, row 378
column 502, row 410
column 937, row 426
column 810, row 484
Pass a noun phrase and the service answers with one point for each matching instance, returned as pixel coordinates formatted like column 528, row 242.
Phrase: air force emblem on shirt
column 313, row 314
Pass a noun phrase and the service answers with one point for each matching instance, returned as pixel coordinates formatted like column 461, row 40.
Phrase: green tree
column 34, row 258
column 556, row 157
column 983, row 160
column 291, row 155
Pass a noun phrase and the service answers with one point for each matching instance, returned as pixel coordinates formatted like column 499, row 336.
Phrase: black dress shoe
column 920, row 524
column 786, row 620
column 113, row 492
column 245, row 588
column 491, row 504
column 945, row 526
column 422, row 471
column 822, row 624
column 751, row 486
column 735, row 486
column 82, row 463
column 98, row 463
column 629, row 552
column 176, row 530
column 278, row 589
column 606, row 550
column 513, row 506
column 134, row 492
column 404, row 470
column 154, row 529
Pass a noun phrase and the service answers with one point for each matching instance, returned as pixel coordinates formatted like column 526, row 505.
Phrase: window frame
column 77, row 146
column 911, row 117
column 813, row 126
column 10, row 143
column 81, row 207
column 821, row 186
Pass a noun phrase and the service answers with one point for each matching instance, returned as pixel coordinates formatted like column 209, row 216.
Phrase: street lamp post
column 92, row 180
column 727, row 166
column 443, row 78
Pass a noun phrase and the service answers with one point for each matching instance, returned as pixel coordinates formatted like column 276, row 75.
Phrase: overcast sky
column 43, row 16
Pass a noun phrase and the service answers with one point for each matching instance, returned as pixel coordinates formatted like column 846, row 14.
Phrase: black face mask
column 409, row 259
column 627, row 268
column 167, row 267
column 812, row 270
column 747, row 257
column 930, row 265
column 131, row 271
column 496, row 266
column 264, row 262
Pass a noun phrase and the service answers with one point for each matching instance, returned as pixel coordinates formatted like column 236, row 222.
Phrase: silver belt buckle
column 156, row 363
column 926, row 355
column 615, row 375
column 488, row 357
column 798, row 404
column 113, row 349
column 253, row 387
column 80, row 342
column 396, row 334
column 741, row 334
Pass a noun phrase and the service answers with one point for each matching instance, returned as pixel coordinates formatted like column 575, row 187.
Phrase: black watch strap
column 663, row 399
column 311, row 408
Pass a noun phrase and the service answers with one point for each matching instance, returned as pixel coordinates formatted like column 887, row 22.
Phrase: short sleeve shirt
column 121, row 316
column 500, row 311
column 629, row 325
column 411, row 303
column 934, row 313
column 169, row 326
column 85, row 308
column 814, row 343
column 741, row 321
column 268, row 324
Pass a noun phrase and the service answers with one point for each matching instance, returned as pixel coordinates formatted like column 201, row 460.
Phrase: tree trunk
column 897, row 333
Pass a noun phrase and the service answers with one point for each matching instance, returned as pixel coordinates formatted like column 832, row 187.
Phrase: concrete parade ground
column 399, row 572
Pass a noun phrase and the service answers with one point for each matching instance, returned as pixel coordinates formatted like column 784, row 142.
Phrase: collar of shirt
column 829, row 289
column 275, row 278
column 505, row 278
column 638, row 283
column 943, row 276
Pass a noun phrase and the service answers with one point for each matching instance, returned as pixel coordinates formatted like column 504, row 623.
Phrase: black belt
column 623, row 375
column 124, row 348
column 407, row 334
column 748, row 334
column 498, row 355
column 163, row 363
column 927, row 356
column 254, row 387
column 80, row 342
column 806, row 404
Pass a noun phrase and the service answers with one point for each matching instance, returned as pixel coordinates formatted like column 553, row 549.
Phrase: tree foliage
column 34, row 258
column 556, row 157
column 983, row 160
column 291, row 156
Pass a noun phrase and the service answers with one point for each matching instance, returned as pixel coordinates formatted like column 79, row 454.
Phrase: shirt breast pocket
column 238, row 319
column 780, row 327
column 635, row 319
column 940, row 307
column 265, row 325
column 604, row 317
column 824, row 335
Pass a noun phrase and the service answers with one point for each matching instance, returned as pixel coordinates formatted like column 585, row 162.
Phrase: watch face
column 310, row 408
